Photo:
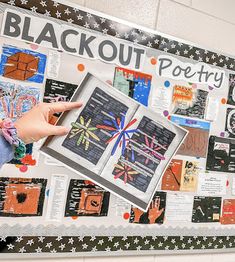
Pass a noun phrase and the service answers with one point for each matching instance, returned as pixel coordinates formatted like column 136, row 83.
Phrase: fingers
column 62, row 106
column 57, row 130
column 157, row 203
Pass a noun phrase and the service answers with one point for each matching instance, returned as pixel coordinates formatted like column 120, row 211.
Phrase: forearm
column 6, row 151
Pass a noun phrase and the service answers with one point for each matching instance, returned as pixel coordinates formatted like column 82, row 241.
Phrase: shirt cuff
column 6, row 151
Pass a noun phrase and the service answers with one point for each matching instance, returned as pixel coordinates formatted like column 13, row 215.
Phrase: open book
column 116, row 142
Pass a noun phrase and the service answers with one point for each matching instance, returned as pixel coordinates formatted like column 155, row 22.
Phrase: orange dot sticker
column 81, row 67
column 153, row 61
column 223, row 101
column 126, row 216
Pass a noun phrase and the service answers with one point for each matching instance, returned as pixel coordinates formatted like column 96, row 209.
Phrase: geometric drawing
column 189, row 102
column 134, row 84
column 86, row 199
column 196, row 142
column 221, row 155
column 172, row 177
column 16, row 99
column 85, row 138
column 143, row 154
column 228, row 212
column 22, row 64
column 231, row 92
column 206, row 209
column 56, row 91
column 155, row 213
column 22, row 196
column 230, row 122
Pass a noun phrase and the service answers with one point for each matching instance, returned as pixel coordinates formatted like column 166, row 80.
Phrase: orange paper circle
column 223, row 100
column 153, row 61
column 81, row 67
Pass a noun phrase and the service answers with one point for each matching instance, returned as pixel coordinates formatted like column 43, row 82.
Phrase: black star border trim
column 121, row 31
column 115, row 244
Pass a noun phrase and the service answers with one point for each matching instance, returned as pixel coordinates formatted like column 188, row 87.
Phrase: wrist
column 20, row 132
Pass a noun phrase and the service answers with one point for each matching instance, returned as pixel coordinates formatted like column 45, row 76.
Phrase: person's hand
column 155, row 211
column 34, row 125
column 137, row 214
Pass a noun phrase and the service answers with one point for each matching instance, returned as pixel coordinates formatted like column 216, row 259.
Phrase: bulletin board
column 46, row 209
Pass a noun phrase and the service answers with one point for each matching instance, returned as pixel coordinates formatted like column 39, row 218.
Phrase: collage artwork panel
column 86, row 199
column 22, row 196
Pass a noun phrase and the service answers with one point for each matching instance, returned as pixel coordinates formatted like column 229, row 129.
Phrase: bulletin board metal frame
column 182, row 240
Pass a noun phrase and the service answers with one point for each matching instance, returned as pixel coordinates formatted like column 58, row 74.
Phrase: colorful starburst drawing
column 84, row 131
column 124, row 170
column 151, row 149
column 118, row 130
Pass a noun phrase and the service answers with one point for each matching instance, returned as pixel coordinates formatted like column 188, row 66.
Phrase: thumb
column 57, row 130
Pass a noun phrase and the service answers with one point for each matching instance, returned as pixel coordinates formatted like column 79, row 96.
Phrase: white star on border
column 30, row 242
column 103, row 20
column 11, row 2
column 62, row 246
column 19, row 239
column 34, row 9
column 89, row 15
column 67, row 12
column 43, row 3
column 47, row 13
column 105, row 31
column 86, row 25
column 79, row 17
column 84, row 246
column 38, row 250
column 22, row 250
column 56, row 4
column 41, row 239
column 96, row 25
column 58, row 14
column 70, row 20
column 10, row 246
